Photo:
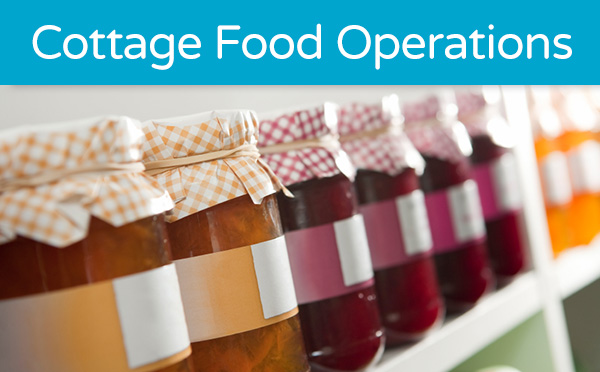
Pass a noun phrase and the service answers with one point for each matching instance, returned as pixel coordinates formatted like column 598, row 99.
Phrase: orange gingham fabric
column 391, row 152
column 200, row 186
column 58, row 213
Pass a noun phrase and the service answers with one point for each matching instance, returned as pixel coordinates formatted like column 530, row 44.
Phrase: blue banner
column 308, row 42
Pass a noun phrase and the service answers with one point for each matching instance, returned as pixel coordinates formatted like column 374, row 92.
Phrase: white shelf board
column 576, row 268
column 464, row 335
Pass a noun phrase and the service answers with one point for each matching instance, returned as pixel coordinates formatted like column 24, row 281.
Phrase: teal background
column 20, row 65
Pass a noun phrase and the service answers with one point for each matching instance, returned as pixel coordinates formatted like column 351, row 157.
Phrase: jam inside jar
column 505, row 244
column 342, row 333
column 29, row 267
column 232, row 224
column 409, row 298
column 464, row 273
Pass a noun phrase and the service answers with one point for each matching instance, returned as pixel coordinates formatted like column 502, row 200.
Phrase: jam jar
column 84, row 254
column 452, row 200
column 326, row 239
column 494, row 169
column 553, row 168
column 393, row 207
column 227, row 242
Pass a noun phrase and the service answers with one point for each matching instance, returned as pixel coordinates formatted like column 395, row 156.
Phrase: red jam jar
column 326, row 239
column 393, row 206
column 452, row 199
column 494, row 169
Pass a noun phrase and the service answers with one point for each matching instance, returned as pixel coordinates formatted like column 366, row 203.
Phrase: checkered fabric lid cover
column 482, row 118
column 309, row 163
column 435, row 133
column 472, row 112
column 200, row 186
column 389, row 152
column 58, row 213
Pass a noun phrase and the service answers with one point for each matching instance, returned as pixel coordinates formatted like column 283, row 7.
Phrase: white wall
column 41, row 104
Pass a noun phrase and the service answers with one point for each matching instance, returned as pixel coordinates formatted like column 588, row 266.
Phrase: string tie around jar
column 247, row 151
column 328, row 141
column 372, row 133
column 50, row 176
column 160, row 166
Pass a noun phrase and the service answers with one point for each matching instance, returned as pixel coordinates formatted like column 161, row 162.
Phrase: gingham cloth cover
column 58, row 213
column 310, row 163
column 430, row 136
column 472, row 112
column 200, row 186
column 482, row 118
column 390, row 153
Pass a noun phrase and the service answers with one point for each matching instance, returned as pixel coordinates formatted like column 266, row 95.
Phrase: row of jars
column 566, row 127
column 196, row 244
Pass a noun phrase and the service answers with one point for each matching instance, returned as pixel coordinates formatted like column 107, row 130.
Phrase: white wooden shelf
column 464, row 335
column 577, row 268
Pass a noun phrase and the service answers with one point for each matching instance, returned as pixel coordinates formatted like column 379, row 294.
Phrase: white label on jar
column 414, row 223
column 506, row 185
column 584, row 164
column 274, row 276
column 353, row 250
column 465, row 208
column 151, row 315
column 555, row 179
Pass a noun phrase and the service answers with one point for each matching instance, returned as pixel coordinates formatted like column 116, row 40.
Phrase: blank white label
column 506, row 185
column 555, row 178
column 414, row 223
column 465, row 208
column 584, row 163
column 274, row 275
column 353, row 250
column 151, row 315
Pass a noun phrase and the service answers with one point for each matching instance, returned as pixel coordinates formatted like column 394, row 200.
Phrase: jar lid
column 481, row 112
column 434, row 129
column 54, row 177
column 206, row 159
column 302, row 144
column 374, row 138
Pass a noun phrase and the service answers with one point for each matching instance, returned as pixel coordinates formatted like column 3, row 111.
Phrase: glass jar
column 408, row 294
column 92, row 264
column 393, row 206
column 342, row 333
column 553, row 167
column 494, row 169
column 29, row 267
column 578, row 143
column 326, row 240
column 453, row 205
column 226, row 238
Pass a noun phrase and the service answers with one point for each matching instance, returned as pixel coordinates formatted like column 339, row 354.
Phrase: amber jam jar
column 227, row 242
column 494, row 169
column 326, row 240
column 393, row 206
column 578, row 142
column 452, row 199
column 84, row 254
column 553, row 168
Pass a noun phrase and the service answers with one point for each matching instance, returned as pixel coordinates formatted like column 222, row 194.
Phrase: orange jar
column 84, row 255
column 554, row 170
column 578, row 142
column 228, row 243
